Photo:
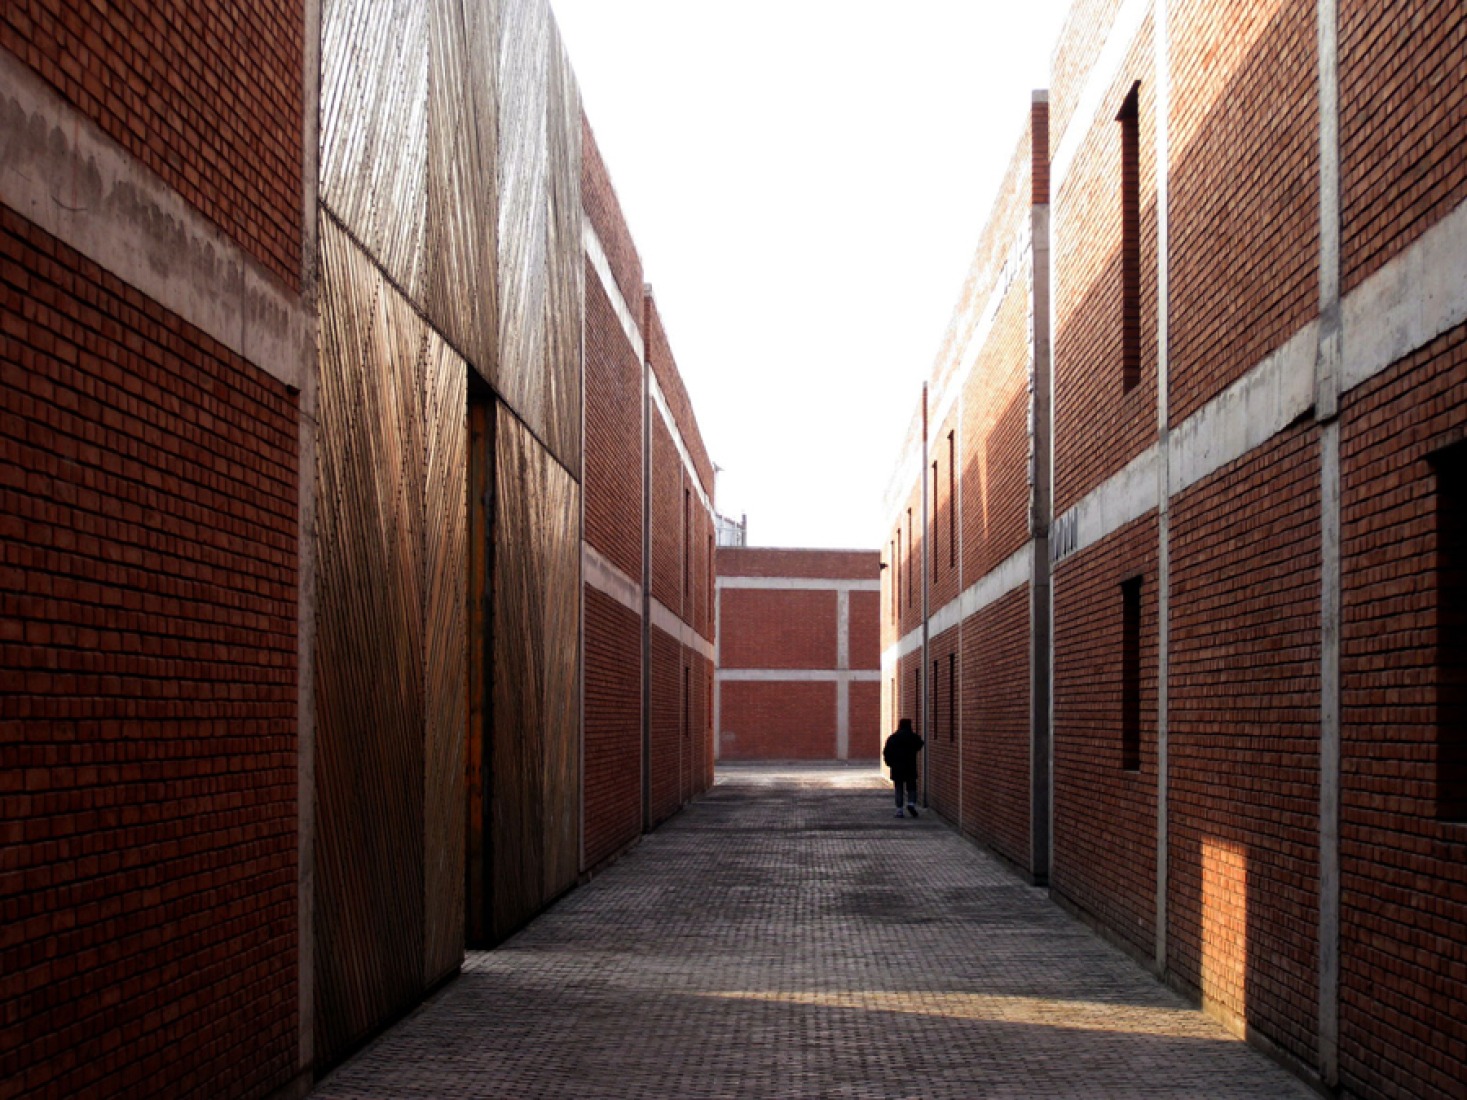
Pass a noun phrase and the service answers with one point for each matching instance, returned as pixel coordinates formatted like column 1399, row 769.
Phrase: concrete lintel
column 665, row 620
column 602, row 266
column 797, row 675
column 1127, row 495
column 807, row 584
column 1118, row 41
column 659, row 399
column 598, row 572
column 1419, row 295
column 60, row 171
column 1247, row 414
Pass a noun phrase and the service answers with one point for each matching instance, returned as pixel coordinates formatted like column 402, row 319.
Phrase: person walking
column 900, row 755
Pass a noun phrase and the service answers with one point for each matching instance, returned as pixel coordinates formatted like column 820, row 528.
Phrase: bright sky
column 806, row 181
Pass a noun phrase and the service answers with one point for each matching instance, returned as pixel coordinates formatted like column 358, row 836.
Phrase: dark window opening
column 1451, row 641
column 1131, row 674
column 911, row 553
column 936, row 697
column 1130, row 240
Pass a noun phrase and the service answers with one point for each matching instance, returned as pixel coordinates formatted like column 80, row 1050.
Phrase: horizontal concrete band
column 667, row 621
column 798, row 675
column 659, row 399
column 1419, row 295
column 599, row 573
column 596, row 253
column 60, row 171
column 800, row 584
column 1118, row 40
column 1013, row 572
column 602, row 266
column 942, row 402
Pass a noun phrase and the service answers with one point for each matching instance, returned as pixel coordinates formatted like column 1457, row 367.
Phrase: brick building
column 1189, row 650
column 323, row 588
column 798, row 654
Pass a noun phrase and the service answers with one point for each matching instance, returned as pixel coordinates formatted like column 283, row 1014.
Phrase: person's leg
column 897, row 783
column 912, row 797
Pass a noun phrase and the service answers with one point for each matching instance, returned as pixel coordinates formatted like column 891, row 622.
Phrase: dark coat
column 900, row 753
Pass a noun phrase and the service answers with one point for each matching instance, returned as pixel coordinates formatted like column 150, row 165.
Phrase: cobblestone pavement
column 785, row 936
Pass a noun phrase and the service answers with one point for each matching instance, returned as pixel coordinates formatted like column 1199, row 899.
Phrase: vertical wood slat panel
column 445, row 652
column 369, row 671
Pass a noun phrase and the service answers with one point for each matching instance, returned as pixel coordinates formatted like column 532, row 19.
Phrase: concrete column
column 1041, row 507
column 1326, row 409
column 1163, row 470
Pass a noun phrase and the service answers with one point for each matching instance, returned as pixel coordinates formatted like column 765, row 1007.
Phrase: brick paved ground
column 785, row 936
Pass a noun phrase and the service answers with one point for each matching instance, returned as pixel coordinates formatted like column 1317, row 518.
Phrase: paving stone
column 786, row 936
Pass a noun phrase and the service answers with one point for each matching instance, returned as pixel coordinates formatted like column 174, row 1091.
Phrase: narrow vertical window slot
column 1131, row 674
column 1451, row 641
column 1130, row 240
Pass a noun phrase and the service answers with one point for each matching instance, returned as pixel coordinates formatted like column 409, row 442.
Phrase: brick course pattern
column 613, row 727
column 1403, row 975
column 1105, row 815
column 1403, row 164
column 1244, row 176
column 148, row 745
column 995, row 728
column 208, row 98
column 613, row 487
column 1244, row 739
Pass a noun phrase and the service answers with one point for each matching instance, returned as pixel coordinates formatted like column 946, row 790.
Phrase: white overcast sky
column 806, row 181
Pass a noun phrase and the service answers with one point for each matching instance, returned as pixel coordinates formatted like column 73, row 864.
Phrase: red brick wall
column 1081, row 40
column 664, row 366
column 995, row 461
column 1403, row 873
column 868, row 731
column 207, row 98
column 1099, row 426
column 1403, row 164
column 613, row 479
column 788, row 720
column 1104, row 817
column 942, row 734
column 1245, row 176
column 748, row 561
column 667, row 518
column 613, row 726
column 1243, row 743
column 598, row 197
column 995, row 686
column 666, row 720
column 944, row 564
column 148, row 858
column 865, row 629
column 778, row 628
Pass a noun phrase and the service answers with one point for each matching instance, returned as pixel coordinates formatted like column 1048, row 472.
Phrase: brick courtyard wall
column 1403, row 988
column 1244, row 739
column 1403, row 166
column 1250, row 552
column 148, row 782
column 613, row 720
column 943, row 753
column 656, row 593
column 797, row 636
column 211, row 103
column 1105, row 815
column 995, row 727
column 1227, row 58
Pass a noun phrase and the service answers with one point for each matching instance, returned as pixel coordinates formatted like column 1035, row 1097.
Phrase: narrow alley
column 784, row 936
